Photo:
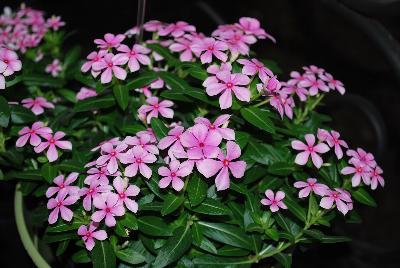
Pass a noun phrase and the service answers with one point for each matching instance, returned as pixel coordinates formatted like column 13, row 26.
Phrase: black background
column 307, row 32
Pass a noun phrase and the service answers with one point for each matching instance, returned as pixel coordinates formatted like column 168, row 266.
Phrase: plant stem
column 261, row 103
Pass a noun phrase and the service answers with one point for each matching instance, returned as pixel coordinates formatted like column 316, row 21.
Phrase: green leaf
column 211, row 207
column 71, row 166
column 34, row 175
column 49, row 172
column 281, row 168
column 103, row 255
column 13, row 82
column 4, row 112
column 57, row 237
column 212, row 261
column 295, row 208
column 197, row 233
column 226, row 234
column 362, row 196
column 21, row 115
column 175, row 82
column 175, row 247
column 121, row 94
column 42, row 80
column 94, row 103
column 258, row 118
column 199, row 94
column 284, row 259
column 144, row 79
column 159, row 128
column 130, row 256
column 171, row 203
column 62, row 247
column 165, row 53
column 81, row 256
column 197, row 190
column 87, row 80
column 129, row 220
column 154, row 226
column 65, row 226
column 232, row 251
column 317, row 234
column 67, row 94
column 71, row 57
column 198, row 72
column 241, row 138
column 175, row 95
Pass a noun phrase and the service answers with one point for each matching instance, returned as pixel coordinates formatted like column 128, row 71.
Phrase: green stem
column 23, row 231
column 261, row 103
column 303, row 115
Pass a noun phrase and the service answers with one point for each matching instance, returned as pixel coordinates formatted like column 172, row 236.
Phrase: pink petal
column 209, row 167
column 237, row 168
column 164, row 182
column 177, row 184
column 222, row 180
column 232, row 150
column 326, row 202
column 316, row 159
column 302, row 158
column 52, row 153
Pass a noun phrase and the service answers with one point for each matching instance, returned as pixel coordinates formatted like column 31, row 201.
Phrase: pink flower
column 309, row 149
column 361, row 156
column 332, row 83
column 208, row 47
column 219, row 126
column 274, row 201
column 85, row 93
column 176, row 29
column 137, row 157
column 253, row 66
column 54, row 68
column 376, row 178
column 313, row 84
column 63, row 185
column 125, row 191
column 110, row 156
column 333, row 140
column 182, row 45
column 200, row 142
column 340, row 197
column 224, row 164
column 89, row 233
column 173, row 141
column 229, row 83
column 113, row 141
column 154, row 107
column 55, row 22
column 238, row 41
column 109, row 41
column 59, row 204
column 99, row 174
column 110, row 65
column 92, row 58
column 153, row 26
column 174, row 173
column 252, row 26
column 36, row 105
column 149, row 132
column 143, row 141
column 296, row 78
column 157, row 84
column 52, row 142
column 312, row 69
column 109, row 207
column 360, row 171
column 9, row 62
column 310, row 186
column 134, row 56
column 32, row 134
column 293, row 89
column 94, row 190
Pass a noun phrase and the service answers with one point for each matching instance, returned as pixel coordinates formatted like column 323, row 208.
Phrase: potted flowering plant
column 181, row 150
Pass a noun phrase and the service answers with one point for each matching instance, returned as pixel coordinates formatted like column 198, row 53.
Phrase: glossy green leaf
column 281, row 168
column 258, row 118
column 144, row 79
column 4, row 112
column 81, row 256
column 211, row 207
column 103, row 255
column 171, row 203
column 94, row 103
column 154, row 226
column 214, row 261
column 21, row 115
column 362, row 196
column 129, row 255
column 49, row 172
column 159, row 128
column 121, row 94
column 196, row 189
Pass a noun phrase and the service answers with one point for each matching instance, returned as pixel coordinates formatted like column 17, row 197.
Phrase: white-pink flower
column 92, row 191
column 143, row 141
column 9, row 62
column 108, row 207
column 253, row 66
column 274, row 201
column 138, row 159
column 52, row 142
column 309, row 149
column 32, row 134
column 124, row 191
column 174, row 173
column 224, row 164
column 54, row 68
column 133, row 56
column 85, row 93
column 88, row 235
column 206, row 48
column 229, row 83
column 252, row 26
column 332, row 83
column 200, row 142
column 313, row 84
column 218, row 126
column 59, row 205
column 99, row 174
column 311, row 185
column 154, row 107
column 109, row 41
column 172, row 140
column 376, row 178
column 55, row 22
column 176, row 29
column 360, row 171
column 182, row 45
column 37, row 105
column 63, row 185
column 361, row 156
column 332, row 139
column 92, row 58
column 110, row 156
column 340, row 197
column 110, row 65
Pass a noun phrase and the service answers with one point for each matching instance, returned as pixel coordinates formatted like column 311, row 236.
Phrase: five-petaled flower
column 54, row 68
column 138, row 158
column 110, row 65
column 310, row 185
column 108, row 206
column 360, row 171
column 59, row 205
column 37, row 105
column 173, row 173
column 154, row 107
column 32, row 134
column 309, row 149
column 93, row 190
column 133, row 56
column 110, row 156
column 219, row 126
column 88, row 235
column 63, row 185
column 340, row 197
column 274, row 201
column 52, row 142
column 124, row 191
column 207, row 47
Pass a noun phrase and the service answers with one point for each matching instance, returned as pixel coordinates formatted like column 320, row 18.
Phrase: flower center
column 238, row 37
column 52, row 141
column 210, row 48
column 110, row 64
column 88, row 234
column 211, row 126
column 310, row 148
column 173, row 174
column 6, row 61
column 225, row 162
column 133, row 53
column 311, row 184
column 122, row 195
column 359, row 170
column 62, row 186
column 59, row 204
column 113, row 153
column 201, row 144
column 108, row 210
column 138, row 160
column 156, row 106
column 91, row 191
column 335, row 195
column 229, row 85
column 101, row 172
column 31, row 131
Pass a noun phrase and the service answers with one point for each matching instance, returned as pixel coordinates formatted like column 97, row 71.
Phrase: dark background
column 355, row 40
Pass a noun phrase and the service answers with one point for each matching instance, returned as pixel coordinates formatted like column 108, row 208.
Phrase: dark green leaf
column 144, row 79
column 130, row 256
column 258, row 118
column 94, row 103
column 362, row 196
column 121, row 94
column 34, row 175
column 4, row 112
column 65, row 226
column 171, row 203
column 153, row 226
column 49, row 172
column 21, row 115
column 211, row 207
column 281, row 168
column 81, row 256
column 212, row 261
column 197, row 190
column 42, row 80
column 175, row 82
column 103, row 255
column 159, row 128
column 284, row 259
column 294, row 207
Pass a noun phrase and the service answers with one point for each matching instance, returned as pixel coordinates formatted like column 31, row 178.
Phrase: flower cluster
column 50, row 141
column 25, row 28
column 9, row 63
